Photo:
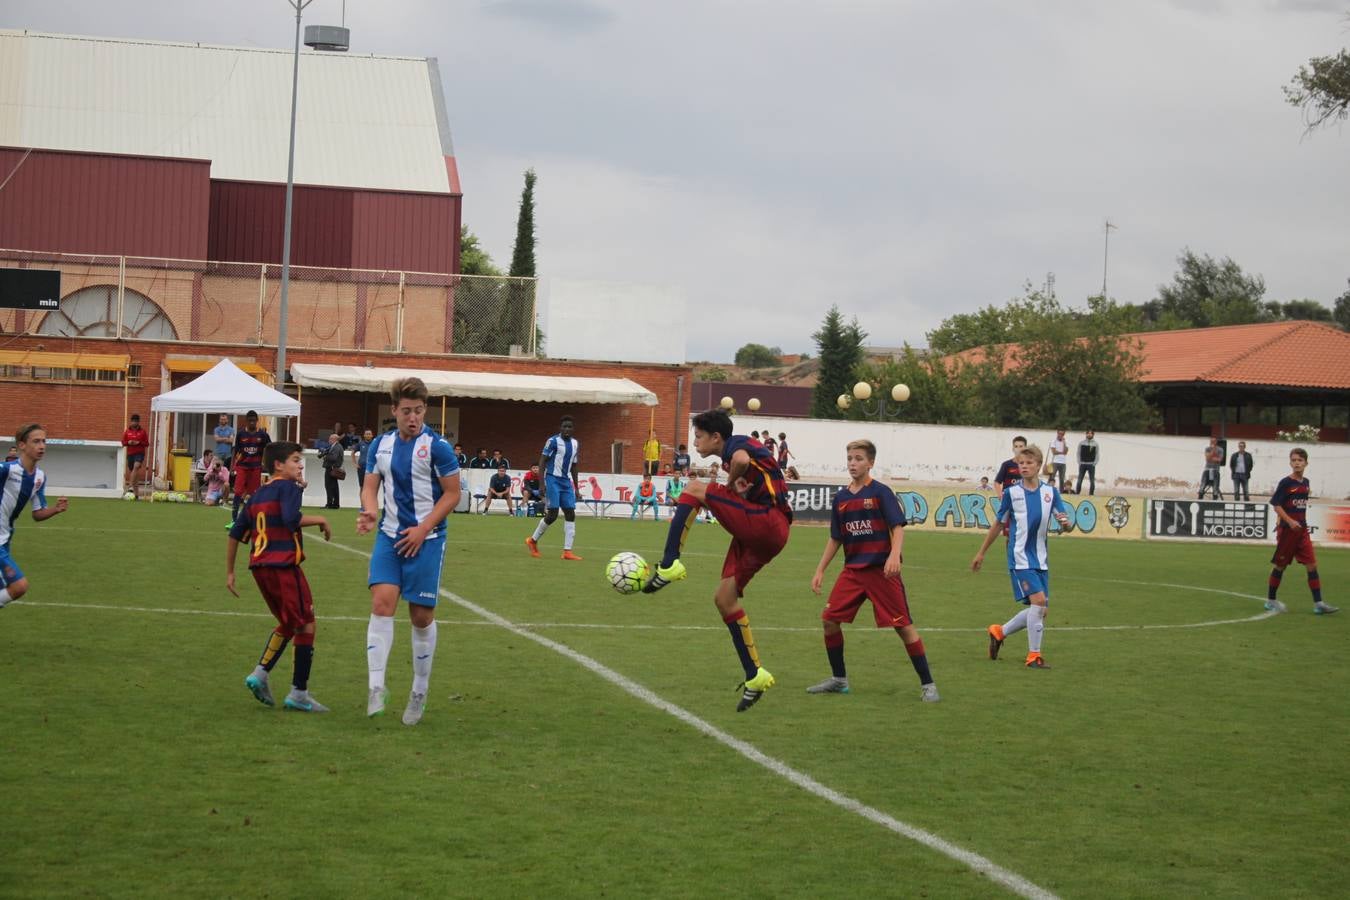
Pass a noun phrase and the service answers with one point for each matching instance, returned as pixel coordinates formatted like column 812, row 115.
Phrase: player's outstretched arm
column 60, row 506
column 231, row 549
column 831, row 548
column 320, row 522
column 990, row 536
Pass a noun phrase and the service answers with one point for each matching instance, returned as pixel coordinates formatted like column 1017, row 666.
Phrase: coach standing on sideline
column 1240, row 467
column 1088, row 454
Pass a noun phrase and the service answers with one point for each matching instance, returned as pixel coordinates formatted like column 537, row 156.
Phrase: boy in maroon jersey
column 753, row 508
column 1292, row 541
column 866, row 520
column 136, row 441
column 271, row 524
column 249, row 444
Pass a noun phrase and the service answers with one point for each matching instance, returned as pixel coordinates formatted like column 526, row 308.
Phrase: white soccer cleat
column 930, row 694
column 831, row 685
column 375, row 705
column 417, row 704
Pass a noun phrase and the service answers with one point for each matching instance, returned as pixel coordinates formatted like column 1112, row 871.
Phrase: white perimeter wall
column 1128, row 463
column 613, row 321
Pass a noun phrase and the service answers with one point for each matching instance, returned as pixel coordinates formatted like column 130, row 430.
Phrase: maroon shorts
column 287, row 594
column 247, row 481
column 1291, row 545
column 758, row 533
column 889, row 606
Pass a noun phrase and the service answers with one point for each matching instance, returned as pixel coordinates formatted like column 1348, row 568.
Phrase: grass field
column 1201, row 754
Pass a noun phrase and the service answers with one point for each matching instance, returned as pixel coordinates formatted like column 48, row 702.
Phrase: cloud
column 573, row 15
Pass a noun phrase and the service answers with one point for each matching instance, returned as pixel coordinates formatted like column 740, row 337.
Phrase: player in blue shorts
column 1026, row 510
column 20, row 482
column 414, row 471
column 559, row 465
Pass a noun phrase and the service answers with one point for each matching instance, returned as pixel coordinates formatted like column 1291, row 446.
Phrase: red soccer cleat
column 568, row 554
column 533, row 546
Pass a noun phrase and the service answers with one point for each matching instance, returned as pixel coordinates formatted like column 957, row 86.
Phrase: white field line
column 989, row 869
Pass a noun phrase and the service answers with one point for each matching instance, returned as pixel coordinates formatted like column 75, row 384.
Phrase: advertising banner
column 1210, row 520
column 1329, row 523
column 943, row 510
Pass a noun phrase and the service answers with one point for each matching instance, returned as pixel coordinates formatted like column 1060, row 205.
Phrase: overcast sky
column 904, row 160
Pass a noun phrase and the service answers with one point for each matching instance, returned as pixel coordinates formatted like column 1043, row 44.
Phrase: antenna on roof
column 1106, row 251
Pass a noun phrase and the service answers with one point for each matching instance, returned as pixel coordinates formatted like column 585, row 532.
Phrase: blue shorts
column 1026, row 582
column 9, row 569
column 561, row 493
column 418, row 577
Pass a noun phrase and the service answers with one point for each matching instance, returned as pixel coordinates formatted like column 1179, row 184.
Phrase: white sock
column 260, row 673
column 569, row 534
column 1015, row 624
column 4, row 599
column 540, row 529
column 424, row 651
column 1035, row 628
column 379, row 638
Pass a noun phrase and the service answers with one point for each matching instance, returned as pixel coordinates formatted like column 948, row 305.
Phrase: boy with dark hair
column 558, row 462
column 136, row 441
column 499, row 488
column 271, row 524
column 1292, row 541
column 644, row 497
column 20, row 481
column 1025, row 513
column 753, row 508
column 1009, row 472
column 415, row 470
column 867, row 521
column 249, row 444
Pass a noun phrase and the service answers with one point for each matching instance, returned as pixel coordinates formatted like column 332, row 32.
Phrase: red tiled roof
column 1284, row 354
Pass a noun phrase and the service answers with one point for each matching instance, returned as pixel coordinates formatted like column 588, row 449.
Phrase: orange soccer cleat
column 1035, row 661
column 568, row 554
column 533, row 546
column 995, row 640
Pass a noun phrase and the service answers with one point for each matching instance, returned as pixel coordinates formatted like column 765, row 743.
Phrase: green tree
column 522, row 256
column 942, row 391
column 1207, row 292
column 839, row 347
column 716, row 373
column 1322, row 89
column 1022, row 318
column 519, row 309
column 1304, row 310
column 1341, row 311
column 757, row 356
column 473, row 259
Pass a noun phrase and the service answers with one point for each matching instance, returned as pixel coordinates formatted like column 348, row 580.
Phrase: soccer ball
column 627, row 572
column 129, row 496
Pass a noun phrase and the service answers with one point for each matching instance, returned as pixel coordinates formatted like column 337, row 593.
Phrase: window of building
column 92, row 312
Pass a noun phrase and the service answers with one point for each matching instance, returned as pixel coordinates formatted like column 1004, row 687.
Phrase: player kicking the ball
column 1026, row 510
column 867, row 521
column 753, row 508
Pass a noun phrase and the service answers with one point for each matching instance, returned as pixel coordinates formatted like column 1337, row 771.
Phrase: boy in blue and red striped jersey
column 249, row 444
column 753, row 508
column 271, row 523
column 1292, row 539
column 866, row 520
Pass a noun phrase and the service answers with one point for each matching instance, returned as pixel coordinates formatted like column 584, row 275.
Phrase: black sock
column 304, row 659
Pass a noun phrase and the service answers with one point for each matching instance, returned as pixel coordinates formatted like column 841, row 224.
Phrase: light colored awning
column 177, row 365
column 480, row 385
column 105, row 362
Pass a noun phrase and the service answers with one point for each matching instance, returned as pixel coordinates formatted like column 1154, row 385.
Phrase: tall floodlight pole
column 1106, row 255
column 320, row 37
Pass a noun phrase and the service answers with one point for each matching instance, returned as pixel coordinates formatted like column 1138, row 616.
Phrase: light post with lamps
column 862, row 392
column 319, row 37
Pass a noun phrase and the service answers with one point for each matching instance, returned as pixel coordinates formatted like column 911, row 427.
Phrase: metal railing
column 194, row 301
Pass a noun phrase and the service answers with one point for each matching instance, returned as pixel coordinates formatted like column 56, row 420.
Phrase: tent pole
column 299, row 395
column 442, row 415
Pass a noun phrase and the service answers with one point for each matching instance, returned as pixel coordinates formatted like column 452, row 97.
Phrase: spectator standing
column 1059, row 458
column 136, row 441
column 771, row 445
column 783, row 455
column 651, row 454
column 333, row 471
column 1088, row 454
column 1240, row 467
column 1209, row 478
column 224, row 435
column 362, row 448
column 682, row 460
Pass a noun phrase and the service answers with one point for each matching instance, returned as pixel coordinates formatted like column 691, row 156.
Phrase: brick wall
column 519, row 429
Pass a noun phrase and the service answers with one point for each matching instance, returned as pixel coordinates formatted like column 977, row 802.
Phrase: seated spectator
column 480, row 461
column 643, row 497
column 12, row 455
column 216, row 482
column 532, row 492
column 460, row 457
column 984, row 483
column 499, row 486
column 674, row 487
column 498, row 461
